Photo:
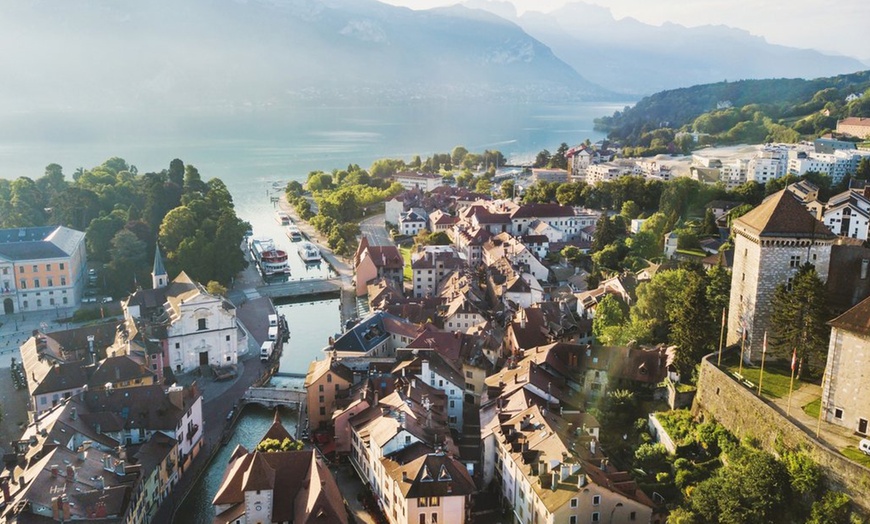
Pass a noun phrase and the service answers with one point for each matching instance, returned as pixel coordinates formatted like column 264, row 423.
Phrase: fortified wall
column 744, row 414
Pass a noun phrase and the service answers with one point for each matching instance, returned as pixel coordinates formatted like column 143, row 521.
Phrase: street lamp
column 618, row 505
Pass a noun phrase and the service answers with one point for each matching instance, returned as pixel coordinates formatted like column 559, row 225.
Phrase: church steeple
column 158, row 272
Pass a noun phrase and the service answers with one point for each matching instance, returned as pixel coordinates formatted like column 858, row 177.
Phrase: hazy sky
column 824, row 25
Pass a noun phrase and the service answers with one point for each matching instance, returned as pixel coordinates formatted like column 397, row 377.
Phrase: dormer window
column 443, row 475
column 427, row 475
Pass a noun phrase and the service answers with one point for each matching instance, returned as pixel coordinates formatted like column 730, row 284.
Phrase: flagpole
column 821, row 405
column 721, row 336
column 791, row 383
column 763, row 353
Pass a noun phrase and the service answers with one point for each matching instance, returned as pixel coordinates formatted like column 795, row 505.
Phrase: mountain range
column 198, row 55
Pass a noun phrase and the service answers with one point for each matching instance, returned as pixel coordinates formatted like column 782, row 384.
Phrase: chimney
column 425, row 371
column 100, row 483
column 865, row 263
column 564, row 472
column 554, row 480
column 73, row 413
column 66, row 509
column 7, row 496
column 54, row 469
column 83, row 454
column 70, row 473
column 55, row 508
column 592, row 447
column 581, row 480
column 404, row 476
column 120, row 468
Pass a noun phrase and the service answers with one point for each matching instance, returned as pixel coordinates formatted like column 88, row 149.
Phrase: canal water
column 253, row 423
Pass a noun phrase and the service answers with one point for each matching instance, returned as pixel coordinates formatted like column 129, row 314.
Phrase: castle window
column 838, row 413
column 795, row 261
column 789, row 285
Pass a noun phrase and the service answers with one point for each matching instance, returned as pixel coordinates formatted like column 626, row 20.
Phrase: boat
column 270, row 259
column 293, row 232
column 283, row 218
column 309, row 252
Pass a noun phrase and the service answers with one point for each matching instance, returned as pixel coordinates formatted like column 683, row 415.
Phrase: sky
column 833, row 27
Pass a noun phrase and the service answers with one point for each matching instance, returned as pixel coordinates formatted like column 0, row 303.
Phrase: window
column 434, row 518
column 228, row 338
column 794, row 261
column 469, row 374
column 329, row 377
column 38, row 302
column 50, row 282
column 407, row 439
column 322, row 399
column 336, row 387
column 21, row 269
column 596, row 517
column 596, row 500
column 23, row 284
column 632, row 515
column 573, row 503
column 203, row 324
column 35, row 269
column 323, row 411
column 838, row 413
column 36, row 283
column 789, row 284
column 61, row 265
column 452, row 403
column 320, row 388
column 572, row 519
column 178, row 345
column 48, row 267
column 62, row 281
column 422, row 519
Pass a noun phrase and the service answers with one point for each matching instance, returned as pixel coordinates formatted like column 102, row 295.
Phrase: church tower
column 771, row 243
column 159, row 277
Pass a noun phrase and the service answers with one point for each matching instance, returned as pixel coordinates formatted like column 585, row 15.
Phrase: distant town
column 598, row 339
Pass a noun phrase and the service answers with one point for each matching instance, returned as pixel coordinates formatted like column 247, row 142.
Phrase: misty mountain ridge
column 202, row 54
column 633, row 57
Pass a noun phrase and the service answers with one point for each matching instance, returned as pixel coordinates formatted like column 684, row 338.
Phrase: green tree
column 127, row 263
column 799, row 320
column 605, row 233
column 215, row 288
column 542, row 159
column 99, row 234
column 483, row 185
column 319, row 181
column 691, row 328
column 507, row 188
column 832, row 508
column 458, row 155
column 863, row 171
column 709, row 227
column 559, row 160
column 608, row 314
column 718, row 292
column 644, row 245
column 630, row 210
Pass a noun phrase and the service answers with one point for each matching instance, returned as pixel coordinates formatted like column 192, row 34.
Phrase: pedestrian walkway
column 833, row 435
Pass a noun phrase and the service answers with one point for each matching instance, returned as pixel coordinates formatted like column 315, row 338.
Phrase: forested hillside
column 753, row 111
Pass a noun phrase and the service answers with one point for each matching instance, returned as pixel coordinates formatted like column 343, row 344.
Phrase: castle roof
column 855, row 320
column 781, row 215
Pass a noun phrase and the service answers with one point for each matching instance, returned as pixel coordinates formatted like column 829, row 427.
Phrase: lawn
column 777, row 375
column 856, row 455
column 406, row 255
column 812, row 409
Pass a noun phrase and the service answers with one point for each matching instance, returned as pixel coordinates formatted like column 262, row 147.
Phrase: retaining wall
column 745, row 414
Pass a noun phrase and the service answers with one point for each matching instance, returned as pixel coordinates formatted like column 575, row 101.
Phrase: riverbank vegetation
column 335, row 202
column 124, row 214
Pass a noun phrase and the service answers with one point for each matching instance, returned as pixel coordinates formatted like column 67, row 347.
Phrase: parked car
column 864, row 446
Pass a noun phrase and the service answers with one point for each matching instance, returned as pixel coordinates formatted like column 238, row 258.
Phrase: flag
column 793, row 358
column 764, row 343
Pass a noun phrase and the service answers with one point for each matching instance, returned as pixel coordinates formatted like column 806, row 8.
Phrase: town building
column 430, row 265
column 376, row 262
column 196, row 328
column 41, row 268
column 412, row 222
column 854, row 126
column 326, row 382
column 843, row 399
column 278, row 486
column 550, row 175
column 771, row 243
column 423, row 181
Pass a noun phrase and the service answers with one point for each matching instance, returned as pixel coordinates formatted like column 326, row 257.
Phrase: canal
column 252, row 425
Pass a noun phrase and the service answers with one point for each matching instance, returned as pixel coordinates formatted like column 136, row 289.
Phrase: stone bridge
column 273, row 397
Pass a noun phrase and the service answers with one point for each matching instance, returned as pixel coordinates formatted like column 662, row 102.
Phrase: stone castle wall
column 745, row 414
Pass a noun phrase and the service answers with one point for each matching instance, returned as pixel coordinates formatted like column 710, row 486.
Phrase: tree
column 127, row 263
column 691, row 328
column 608, row 313
column 176, row 172
column 483, row 185
column 605, row 233
column 99, row 234
column 709, row 227
column 799, row 319
column 718, row 291
column 542, row 159
column 644, row 245
column 458, row 155
column 319, row 181
column 833, row 508
column 863, row 171
column 215, row 288
column 559, row 160
column 630, row 210
column 507, row 188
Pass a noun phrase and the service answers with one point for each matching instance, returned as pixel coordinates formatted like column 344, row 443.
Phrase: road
column 373, row 228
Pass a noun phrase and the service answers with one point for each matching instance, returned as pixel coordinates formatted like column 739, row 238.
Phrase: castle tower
column 159, row 278
column 771, row 242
